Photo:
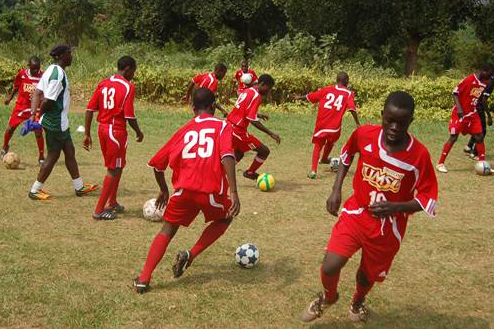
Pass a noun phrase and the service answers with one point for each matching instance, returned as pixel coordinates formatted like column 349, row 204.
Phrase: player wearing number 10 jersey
column 201, row 157
column 113, row 99
column 394, row 178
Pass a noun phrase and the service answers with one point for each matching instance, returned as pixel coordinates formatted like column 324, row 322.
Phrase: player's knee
column 362, row 278
column 263, row 151
column 227, row 221
column 11, row 130
column 329, row 268
column 238, row 155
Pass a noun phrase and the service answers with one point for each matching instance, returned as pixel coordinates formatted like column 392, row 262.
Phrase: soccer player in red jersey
column 394, row 178
column 333, row 101
column 245, row 113
column 208, row 80
column 465, row 119
column 113, row 99
column 201, row 157
column 237, row 79
column 25, row 83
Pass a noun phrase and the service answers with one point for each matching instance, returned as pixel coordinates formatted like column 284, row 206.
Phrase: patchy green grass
column 59, row 268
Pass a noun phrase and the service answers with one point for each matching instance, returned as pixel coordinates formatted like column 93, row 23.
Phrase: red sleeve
column 226, row 141
column 351, row 102
column 161, row 159
column 253, row 107
column 18, row 80
column 316, row 96
column 198, row 79
column 129, row 104
column 93, row 104
column 426, row 187
column 350, row 148
column 238, row 74
column 254, row 76
column 214, row 86
column 458, row 89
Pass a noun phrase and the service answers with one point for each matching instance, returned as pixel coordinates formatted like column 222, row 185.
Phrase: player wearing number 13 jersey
column 394, row 178
column 201, row 157
column 113, row 99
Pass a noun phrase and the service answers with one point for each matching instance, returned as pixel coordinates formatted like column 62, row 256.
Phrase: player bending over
column 52, row 96
column 114, row 102
column 465, row 119
column 201, row 157
column 333, row 103
column 394, row 178
column 245, row 113
column 237, row 79
column 25, row 83
column 208, row 80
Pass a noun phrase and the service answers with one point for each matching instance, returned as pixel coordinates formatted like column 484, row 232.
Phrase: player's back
column 207, row 80
column 245, row 109
column 333, row 103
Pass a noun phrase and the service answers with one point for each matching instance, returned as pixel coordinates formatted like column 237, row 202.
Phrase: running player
column 237, row 79
column 114, row 102
column 208, row 80
column 245, row 113
column 333, row 103
column 394, row 178
column 25, row 83
column 52, row 97
column 464, row 118
column 201, row 157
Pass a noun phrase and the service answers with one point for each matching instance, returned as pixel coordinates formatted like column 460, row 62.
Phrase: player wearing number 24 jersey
column 113, row 99
column 201, row 157
column 394, row 178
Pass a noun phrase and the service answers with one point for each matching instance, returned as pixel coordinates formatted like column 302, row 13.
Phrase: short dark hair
column 58, row 50
column 401, row 100
column 34, row 60
column 266, row 79
column 342, row 76
column 203, row 98
column 125, row 61
column 221, row 67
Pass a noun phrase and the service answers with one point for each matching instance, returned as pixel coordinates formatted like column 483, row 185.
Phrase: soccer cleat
column 316, row 308
column 86, row 189
column 441, row 168
column 251, row 175
column 118, row 209
column 3, row 152
column 358, row 313
column 105, row 215
column 40, row 195
column 467, row 150
column 312, row 175
column 140, row 287
column 181, row 263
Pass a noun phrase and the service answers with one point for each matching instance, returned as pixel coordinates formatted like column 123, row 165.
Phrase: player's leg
column 36, row 192
column 108, row 186
column 239, row 155
column 446, row 149
column 14, row 122
column 41, row 146
column 328, row 147
column 479, row 145
column 318, row 145
column 363, row 285
column 115, row 158
column 113, row 204
column 262, row 154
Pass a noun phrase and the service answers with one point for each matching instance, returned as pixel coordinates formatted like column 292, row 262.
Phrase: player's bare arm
column 190, row 88
column 458, row 105
column 229, row 165
column 299, row 98
column 35, row 102
column 263, row 116
column 334, row 201
column 222, row 110
column 10, row 96
column 355, row 117
column 162, row 198
column 265, row 130
column 135, row 126
column 87, row 142
column 388, row 208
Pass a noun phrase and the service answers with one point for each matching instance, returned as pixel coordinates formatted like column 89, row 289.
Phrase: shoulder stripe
column 127, row 86
column 54, row 73
column 343, row 89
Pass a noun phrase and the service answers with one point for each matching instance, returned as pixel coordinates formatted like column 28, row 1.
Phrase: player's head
column 342, row 78
column 245, row 65
column 34, row 64
column 397, row 116
column 62, row 54
column 220, row 71
column 203, row 101
column 127, row 66
column 265, row 83
column 487, row 70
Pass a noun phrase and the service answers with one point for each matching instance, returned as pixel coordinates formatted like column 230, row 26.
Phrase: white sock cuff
column 37, row 186
column 78, row 183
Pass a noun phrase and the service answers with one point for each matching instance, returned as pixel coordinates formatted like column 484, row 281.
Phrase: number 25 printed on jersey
column 206, row 144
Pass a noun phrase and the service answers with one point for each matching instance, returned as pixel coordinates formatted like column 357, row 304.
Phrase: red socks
column 446, row 148
column 112, row 201
column 105, row 193
column 6, row 139
column 315, row 156
column 210, row 235
column 480, row 150
column 41, row 146
column 256, row 164
column 327, row 149
column 361, row 292
column 330, row 284
column 156, row 252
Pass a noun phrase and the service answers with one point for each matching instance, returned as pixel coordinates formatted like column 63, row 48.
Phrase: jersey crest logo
column 476, row 92
column 384, row 179
column 29, row 88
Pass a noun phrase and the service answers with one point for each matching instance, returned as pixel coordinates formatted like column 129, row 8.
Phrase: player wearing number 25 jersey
column 201, row 157
column 393, row 179
column 113, row 99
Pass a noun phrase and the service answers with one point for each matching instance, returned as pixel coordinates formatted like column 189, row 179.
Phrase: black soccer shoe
column 181, row 263
column 140, row 287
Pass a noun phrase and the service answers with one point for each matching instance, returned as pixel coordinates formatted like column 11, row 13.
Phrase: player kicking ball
column 25, row 83
column 394, row 179
column 113, row 99
column 333, row 101
column 245, row 113
column 201, row 157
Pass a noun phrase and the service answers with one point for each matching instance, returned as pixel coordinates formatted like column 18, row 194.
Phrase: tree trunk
column 411, row 55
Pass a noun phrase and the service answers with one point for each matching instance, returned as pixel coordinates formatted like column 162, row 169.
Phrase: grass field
column 60, row 268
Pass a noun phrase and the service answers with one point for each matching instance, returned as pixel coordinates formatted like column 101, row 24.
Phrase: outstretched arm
column 299, row 98
column 355, row 117
column 190, row 88
column 334, row 201
column 135, row 126
column 222, row 110
column 163, row 196
column 87, row 142
column 229, row 165
column 265, row 130
column 11, row 95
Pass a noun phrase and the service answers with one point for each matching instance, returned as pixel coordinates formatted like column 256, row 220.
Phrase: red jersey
column 333, row 103
column 195, row 152
column 239, row 74
column 113, row 99
column 26, row 83
column 469, row 92
column 207, row 80
column 398, row 177
column 246, row 108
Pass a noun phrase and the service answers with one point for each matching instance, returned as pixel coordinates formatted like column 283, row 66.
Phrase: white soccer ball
column 11, row 160
column 81, row 129
column 334, row 164
column 483, row 168
column 247, row 255
column 246, row 78
column 151, row 213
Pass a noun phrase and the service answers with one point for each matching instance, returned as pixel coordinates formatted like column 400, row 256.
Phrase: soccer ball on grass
column 334, row 164
column 483, row 168
column 265, row 182
column 11, row 160
column 247, row 255
column 151, row 213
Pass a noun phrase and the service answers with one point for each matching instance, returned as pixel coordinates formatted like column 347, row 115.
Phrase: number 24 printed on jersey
column 333, row 101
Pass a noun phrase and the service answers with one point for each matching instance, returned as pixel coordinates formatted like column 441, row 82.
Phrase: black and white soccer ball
column 247, row 255
column 334, row 164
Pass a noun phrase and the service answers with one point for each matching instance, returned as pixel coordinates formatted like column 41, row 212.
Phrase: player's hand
column 235, row 208
column 87, row 143
column 333, row 203
column 276, row 138
column 263, row 117
column 384, row 209
column 489, row 120
column 161, row 200
column 139, row 137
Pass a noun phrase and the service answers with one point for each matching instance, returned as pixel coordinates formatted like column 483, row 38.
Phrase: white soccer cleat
column 359, row 313
column 441, row 168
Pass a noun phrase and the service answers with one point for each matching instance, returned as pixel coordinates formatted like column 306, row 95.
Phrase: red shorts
column 184, row 206
column 326, row 136
column 467, row 125
column 113, row 144
column 18, row 117
column 243, row 141
column 379, row 239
